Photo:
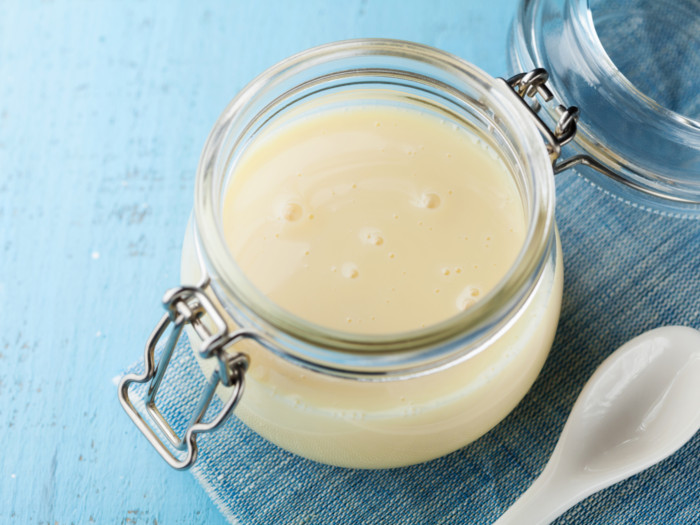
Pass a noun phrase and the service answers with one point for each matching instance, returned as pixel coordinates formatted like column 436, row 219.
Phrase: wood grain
column 104, row 107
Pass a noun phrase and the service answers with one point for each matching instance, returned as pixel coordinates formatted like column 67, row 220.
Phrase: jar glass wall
column 374, row 401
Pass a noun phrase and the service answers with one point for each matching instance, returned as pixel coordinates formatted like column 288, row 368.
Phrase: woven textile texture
column 626, row 271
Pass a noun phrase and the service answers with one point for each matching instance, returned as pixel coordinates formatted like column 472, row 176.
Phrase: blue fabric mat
column 626, row 271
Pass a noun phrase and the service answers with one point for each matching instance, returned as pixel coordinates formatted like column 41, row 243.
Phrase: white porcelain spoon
column 640, row 406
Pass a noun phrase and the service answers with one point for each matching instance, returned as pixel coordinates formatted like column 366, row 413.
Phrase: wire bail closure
column 534, row 83
column 187, row 305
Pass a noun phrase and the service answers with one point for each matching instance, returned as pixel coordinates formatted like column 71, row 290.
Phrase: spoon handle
column 546, row 499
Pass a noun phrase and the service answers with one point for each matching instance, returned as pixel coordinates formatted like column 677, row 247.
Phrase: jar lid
column 633, row 69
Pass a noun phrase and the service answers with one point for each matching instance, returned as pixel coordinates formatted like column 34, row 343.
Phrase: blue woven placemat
column 626, row 271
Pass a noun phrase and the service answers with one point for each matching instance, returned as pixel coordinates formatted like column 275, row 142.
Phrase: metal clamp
column 535, row 83
column 187, row 305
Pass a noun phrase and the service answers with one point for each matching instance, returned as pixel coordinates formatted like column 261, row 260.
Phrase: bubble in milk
column 429, row 201
column 468, row 297
column 371, row 236
column 350, row 270
column 465, row 302
column 291, row 211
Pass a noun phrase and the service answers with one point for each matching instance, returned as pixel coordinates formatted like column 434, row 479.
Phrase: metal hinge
column 535, row 83
column 187, row 305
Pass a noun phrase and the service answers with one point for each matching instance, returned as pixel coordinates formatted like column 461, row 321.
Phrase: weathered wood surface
column 104, row 107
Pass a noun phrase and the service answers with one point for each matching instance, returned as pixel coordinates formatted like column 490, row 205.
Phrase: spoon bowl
column 641, row 405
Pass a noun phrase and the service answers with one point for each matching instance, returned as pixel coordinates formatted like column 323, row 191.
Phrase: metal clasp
column 535, row 83
column 187, row 305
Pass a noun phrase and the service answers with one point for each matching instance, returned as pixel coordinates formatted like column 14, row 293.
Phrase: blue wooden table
column 104, row 107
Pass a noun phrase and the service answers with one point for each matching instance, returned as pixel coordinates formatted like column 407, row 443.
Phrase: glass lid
column 633, row 69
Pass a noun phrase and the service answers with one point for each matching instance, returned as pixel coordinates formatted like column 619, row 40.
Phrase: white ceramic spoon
column 640, row 406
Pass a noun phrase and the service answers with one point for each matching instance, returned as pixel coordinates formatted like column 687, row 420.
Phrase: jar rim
column 322, row 348
column 585, row 17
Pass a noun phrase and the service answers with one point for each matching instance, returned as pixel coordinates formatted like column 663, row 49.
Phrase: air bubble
column 350, row 271
column 430, row 201
column 291, row 211
column 371, row 236
column 465, row 302
column 468, row 297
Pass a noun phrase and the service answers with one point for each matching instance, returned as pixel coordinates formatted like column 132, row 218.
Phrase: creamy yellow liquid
column 376, row 219
column 373, row 219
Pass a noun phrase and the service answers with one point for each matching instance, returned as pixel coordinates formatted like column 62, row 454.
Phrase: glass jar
column 348, row 399
column 633, row 66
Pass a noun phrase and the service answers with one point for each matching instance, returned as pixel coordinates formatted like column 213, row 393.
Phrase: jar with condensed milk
column 373, row 253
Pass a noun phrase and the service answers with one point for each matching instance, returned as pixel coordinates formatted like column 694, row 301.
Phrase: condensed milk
column 380, row 219
column 373, row 219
